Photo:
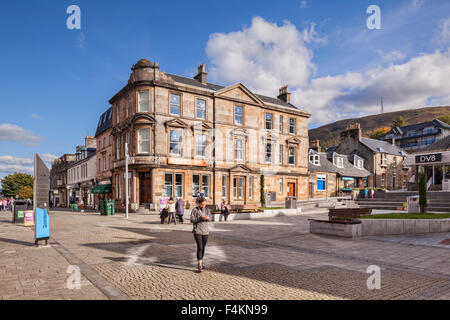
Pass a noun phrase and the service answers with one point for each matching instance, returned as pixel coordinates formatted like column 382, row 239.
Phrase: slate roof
column 440, row 145
column 326, row 165
column 419, row 126
column 382, row 147
column 104, row 122
column 215, row 87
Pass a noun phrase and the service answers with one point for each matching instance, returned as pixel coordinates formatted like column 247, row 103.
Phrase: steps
column 438, row 200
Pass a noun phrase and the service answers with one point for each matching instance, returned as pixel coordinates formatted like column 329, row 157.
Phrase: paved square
column 273, row 258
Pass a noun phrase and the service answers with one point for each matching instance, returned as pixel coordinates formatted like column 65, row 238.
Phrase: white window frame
column 179, row 104
column 270, row 121
column 280, row 186
column 141, row 141
column 294, row 155
column 237, row 150
column 178, row 142
column 202, row 145
column 141, row 101
column 294, row 125
column 224, row 186
column 241, row 115
column 197, row 109
column 281, row 124
column 250, row 186
column 271, row 152
column 314, row 159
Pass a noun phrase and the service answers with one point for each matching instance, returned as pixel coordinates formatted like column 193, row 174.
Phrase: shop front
column 435, row 165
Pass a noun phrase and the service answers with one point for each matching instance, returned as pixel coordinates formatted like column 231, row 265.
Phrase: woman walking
column 200, row 216
column 5, row 204
column 225, row 209
column 171, row 208
column 179, row 208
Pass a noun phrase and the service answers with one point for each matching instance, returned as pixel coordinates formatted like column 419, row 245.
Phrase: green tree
column 422, row 192
column 11, row 184
column 261, row 188
column 445, row 119
column 398, row 122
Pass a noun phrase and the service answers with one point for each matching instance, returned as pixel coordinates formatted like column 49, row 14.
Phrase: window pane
column 281, row 123
column 234, row 187
column 205, row 186
column 268, row 121
column 178, row 185
column 175, row 104
column 268, row 152
column 200, row 145
column 201, row 109
column 175, row 142
column 144, row 140
column 241, row 187
column 168, row 185
column 144, row 101
column 239, row 149
column 292, row 125
column 251, row 188
column 291, row 155
column 238, row 115
column 195, row 184
column 224, row 186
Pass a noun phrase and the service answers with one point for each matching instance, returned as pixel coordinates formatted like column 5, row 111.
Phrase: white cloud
column 10, row 164
column 12, row 132
column 443, row 33
column 265, row 56
column 36, row 116
column 391, row 56
column 303, row 4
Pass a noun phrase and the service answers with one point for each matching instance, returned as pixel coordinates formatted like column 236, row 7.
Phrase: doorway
column 144, row 187
column 291, row 189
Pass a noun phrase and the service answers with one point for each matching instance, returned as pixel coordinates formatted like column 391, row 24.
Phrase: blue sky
column 56, row 82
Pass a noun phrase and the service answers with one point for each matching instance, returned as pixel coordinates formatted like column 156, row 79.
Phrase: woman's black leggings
column 201, row 241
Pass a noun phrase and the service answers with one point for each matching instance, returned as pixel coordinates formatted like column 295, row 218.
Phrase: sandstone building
column 188, row 137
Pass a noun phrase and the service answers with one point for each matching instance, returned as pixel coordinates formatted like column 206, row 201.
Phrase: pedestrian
column 372, row 193
column 200, row 216
column 11, row 204
column 366, row 193
column 225, row 209
column 171, row 208
column 179, row 208
column 5, row 204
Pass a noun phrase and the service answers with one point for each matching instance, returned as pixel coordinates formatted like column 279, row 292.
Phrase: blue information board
column 42, row 224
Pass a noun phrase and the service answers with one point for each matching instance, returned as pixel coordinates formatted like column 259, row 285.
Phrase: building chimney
column 90, row 142
column 315, row 145
column 201, row 75
column 352, row 132
column 284, row 94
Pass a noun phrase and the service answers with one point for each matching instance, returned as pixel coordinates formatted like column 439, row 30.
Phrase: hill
column 329, row 133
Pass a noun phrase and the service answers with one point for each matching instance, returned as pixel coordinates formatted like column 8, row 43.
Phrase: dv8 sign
column 427, row 158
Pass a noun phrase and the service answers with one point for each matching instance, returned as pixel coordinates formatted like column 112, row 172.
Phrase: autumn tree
column 379, row 132
column 398, row 122
column 25, row 192
column 11, row 184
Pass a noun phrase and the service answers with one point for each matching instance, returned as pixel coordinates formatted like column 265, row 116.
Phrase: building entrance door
column 311, row 190
column 144, row 187
column 291, row 187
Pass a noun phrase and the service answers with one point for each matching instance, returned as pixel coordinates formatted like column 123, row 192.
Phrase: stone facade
column 58, row 179
column 186, row 135
column 383, row 159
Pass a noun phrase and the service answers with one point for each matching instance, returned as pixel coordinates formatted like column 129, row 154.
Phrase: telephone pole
column 126, row 180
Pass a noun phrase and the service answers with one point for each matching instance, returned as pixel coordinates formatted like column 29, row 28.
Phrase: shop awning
column 101, row 189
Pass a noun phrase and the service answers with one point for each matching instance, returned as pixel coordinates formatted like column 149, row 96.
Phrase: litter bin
column 20, row 206
column 291, row 202
column 413, row 204
column 110, row 208
column 74, row 207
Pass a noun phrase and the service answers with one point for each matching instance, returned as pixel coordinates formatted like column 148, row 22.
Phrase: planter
column 257, row 215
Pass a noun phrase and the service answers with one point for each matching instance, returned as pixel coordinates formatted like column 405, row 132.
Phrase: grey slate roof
column 382, row 147
column 419, row 126
column 215, row 87
column 440, row 145
column 326, row 165
column 104, row 122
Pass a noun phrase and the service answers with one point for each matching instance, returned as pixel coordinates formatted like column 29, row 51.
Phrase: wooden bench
column 235, row 208
column 347, row 215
